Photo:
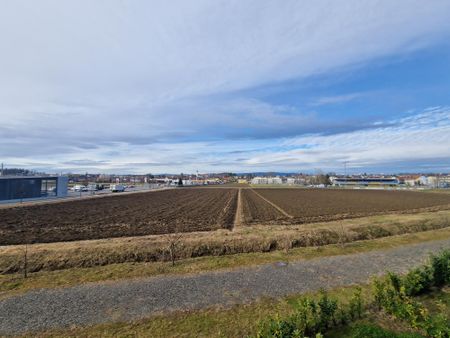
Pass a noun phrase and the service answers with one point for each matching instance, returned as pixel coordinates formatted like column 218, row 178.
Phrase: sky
column 112, row 86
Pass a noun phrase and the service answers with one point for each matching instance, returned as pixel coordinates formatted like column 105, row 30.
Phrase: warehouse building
column 266, row 180
column 365, row 181
column 23, row 187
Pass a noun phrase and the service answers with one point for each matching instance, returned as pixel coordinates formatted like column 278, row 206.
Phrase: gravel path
column 127, row 300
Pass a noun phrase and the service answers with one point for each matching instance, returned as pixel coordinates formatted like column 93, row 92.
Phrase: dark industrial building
column 23, row 187
column 366, row 181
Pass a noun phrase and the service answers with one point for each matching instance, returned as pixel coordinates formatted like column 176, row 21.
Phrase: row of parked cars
column 97, row 187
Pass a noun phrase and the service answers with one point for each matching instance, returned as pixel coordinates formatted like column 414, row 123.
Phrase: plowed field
column 198, row 209
column 256, row 210
column 160, row 212
column 312, row 205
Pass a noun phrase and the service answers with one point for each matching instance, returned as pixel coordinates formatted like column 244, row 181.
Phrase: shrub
column 311, row 318
column 307, row 318
column 328, row 309
column 441, row 268
column 392, row 296
column 394, row 280
column 438, row 325
column 392, row 293
column 378, row 287
column 418, row 281
column 344, row 315
column 355, row 306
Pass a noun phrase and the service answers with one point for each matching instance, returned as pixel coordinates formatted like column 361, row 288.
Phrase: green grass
column 14, row 283
column 370, row 330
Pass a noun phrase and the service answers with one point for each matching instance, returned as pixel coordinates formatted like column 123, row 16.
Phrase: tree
column 323, row 179
column 173, row 240
column 25, row 251
column 25, row 261
column 342, row 236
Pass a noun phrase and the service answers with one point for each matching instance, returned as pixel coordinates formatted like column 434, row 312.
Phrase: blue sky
column 155, row 86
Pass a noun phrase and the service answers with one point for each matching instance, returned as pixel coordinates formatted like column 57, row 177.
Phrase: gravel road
column 128, row 300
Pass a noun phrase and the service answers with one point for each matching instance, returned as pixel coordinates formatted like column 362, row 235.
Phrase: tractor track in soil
column 274, row 205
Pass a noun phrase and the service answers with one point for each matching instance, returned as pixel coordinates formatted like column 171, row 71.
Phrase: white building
column 267, row 180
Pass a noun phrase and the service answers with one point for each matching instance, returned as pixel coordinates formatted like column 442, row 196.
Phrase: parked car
column 79, row 187
column 92, row 187
column 117, row 188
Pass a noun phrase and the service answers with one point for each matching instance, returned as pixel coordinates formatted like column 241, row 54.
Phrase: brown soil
column 178, row 210
column 313, row 205
column 198, row 209
column 256, row 210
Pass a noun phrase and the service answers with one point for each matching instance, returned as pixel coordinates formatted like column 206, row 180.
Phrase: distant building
column 290, row 180
column 295, row 181
column 364, row 181
column 23, row 187
column 411, row 181
column 443, row 181
column 267, row 180
column 427, row 181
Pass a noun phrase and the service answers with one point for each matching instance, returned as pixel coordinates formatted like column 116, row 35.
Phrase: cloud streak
column 336, row 99
column 417, row 141
column 124, row 83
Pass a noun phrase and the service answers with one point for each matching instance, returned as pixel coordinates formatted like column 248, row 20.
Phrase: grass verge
column 12, row 284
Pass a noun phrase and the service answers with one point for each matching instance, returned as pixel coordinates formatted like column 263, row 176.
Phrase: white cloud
column 83, row 79
column 336, row 99
column 420, row 137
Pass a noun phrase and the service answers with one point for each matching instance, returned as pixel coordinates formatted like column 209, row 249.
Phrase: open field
column 223, row 243
column 128, row 215
column 316, row 205
column 199, row 209
column 274, row 230
column 256, row 210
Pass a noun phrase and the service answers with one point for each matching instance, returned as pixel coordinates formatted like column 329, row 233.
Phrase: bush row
column 311, row 318
column 393, row 294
